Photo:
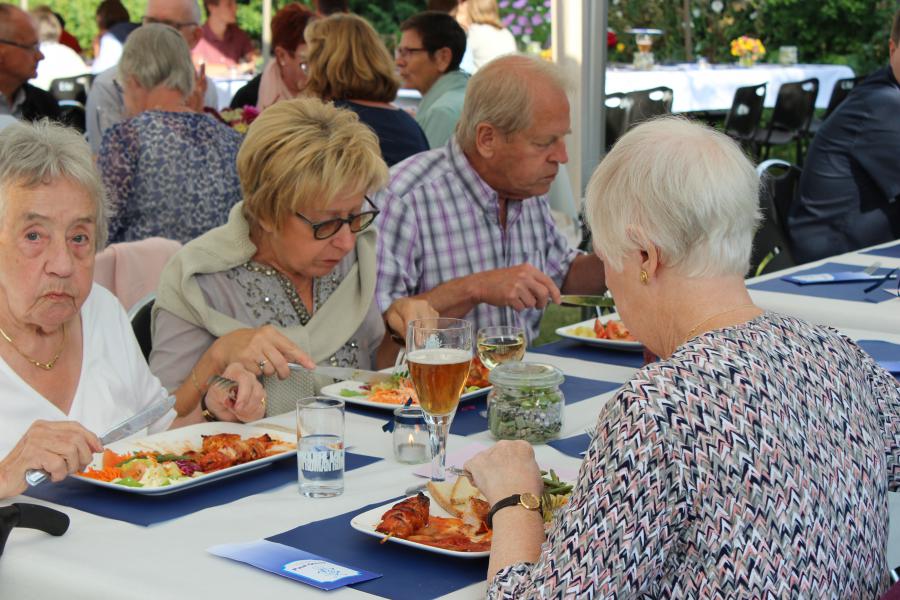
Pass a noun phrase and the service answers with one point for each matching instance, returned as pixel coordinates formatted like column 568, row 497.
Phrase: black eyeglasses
column 35, row 47
column 326, row 229
column 404, row 52
column 175, row 24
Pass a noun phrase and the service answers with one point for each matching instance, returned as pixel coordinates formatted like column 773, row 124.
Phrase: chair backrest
column 646, row 104
column 616, row 113
column 73, row 114
column 795, row 106
column 746, row 110
column 140, row 323
column 71, row 88
column 771, row 244
column 842, row 89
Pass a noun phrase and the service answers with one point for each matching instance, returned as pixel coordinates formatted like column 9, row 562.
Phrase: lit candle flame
column 411, row 439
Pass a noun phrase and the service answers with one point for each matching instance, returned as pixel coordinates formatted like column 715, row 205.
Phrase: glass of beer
column 499, row 344
column 439, row 352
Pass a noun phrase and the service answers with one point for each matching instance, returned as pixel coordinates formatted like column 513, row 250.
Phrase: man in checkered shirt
column 467, row 226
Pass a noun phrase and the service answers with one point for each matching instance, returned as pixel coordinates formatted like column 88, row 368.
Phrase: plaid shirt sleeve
column 399, row 252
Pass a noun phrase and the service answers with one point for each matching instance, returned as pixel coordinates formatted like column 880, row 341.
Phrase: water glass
column 320, row 446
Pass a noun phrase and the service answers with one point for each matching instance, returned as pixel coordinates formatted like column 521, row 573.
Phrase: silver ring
column 261, row 364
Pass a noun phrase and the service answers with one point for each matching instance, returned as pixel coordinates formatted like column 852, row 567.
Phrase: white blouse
column 114, row 384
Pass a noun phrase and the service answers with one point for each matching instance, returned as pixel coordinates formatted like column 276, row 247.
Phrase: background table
column 227, row 87
column 712, row 88
column 880, row 317
column 105, row 558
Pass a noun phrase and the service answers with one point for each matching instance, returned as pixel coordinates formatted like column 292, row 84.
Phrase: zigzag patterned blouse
column 753, row 463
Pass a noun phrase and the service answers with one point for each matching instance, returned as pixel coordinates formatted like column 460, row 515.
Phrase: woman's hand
column 58, row 447
column 261, row 350
column 403, row 310
column 245, row 403
column 505, row 469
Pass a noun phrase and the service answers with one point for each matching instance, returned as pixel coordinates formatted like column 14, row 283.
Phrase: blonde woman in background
column 349, row 65
column 486, row 37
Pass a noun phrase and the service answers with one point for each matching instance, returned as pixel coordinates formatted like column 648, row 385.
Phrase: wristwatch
column 526, row 500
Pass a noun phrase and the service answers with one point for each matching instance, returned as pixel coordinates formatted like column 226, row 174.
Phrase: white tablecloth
column 104, row 558
column 712, row 88
column 227, row 87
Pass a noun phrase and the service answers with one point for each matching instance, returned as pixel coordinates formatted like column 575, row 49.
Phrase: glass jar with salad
column 526, row 402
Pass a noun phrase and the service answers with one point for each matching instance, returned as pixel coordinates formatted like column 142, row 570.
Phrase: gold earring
column 644, row 277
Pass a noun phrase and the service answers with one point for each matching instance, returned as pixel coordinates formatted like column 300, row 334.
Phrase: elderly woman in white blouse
column 70, row 366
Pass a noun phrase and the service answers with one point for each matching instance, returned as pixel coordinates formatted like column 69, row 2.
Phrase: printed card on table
column 294, row 564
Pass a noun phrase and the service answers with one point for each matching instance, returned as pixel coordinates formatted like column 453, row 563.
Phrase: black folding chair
column 646, row 104
column 842, row 89
column 745, row 113
column 72, row 88
column 616, row 115
column 139, row 314
column 31, row 516
column 771, row 244
column 794, row 110
column 73, row 114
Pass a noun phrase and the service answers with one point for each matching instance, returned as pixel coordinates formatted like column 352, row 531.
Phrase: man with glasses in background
column 106, row 103
column 19, row 56
column 428, row 56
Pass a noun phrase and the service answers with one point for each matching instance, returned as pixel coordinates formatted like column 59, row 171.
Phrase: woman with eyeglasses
column 291, row 276
column 284, row 77
column 349, row 65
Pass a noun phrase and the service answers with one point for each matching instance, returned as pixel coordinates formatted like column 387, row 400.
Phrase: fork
column 222, row 382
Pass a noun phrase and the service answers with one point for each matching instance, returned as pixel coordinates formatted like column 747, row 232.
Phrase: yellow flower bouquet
column 747, row 49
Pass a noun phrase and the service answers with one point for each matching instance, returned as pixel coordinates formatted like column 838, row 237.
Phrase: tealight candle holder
column 411, row 441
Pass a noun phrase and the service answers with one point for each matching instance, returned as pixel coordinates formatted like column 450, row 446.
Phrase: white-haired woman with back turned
column 170, row 171
column 752, row 460
column 70, row 367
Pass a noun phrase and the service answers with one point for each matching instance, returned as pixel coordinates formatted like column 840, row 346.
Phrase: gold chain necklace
column 42, row 365
column 697, row 327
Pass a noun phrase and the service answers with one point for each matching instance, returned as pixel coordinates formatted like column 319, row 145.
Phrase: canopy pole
column 266, row 31
column 579, row 47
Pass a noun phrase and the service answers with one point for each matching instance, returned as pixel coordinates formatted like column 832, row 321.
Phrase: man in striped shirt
column 467, row 227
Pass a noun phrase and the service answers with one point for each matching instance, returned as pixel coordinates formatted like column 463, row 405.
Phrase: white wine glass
column 499, row 344
column 439, row 352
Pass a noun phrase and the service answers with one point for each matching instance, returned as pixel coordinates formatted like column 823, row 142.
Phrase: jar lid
column 526, row 374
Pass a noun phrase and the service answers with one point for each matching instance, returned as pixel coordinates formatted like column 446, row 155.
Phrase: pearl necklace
column 42, row 365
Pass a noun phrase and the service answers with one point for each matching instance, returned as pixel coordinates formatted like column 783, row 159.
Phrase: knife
column 590, row 301
column 346, row 373
column 127, row 427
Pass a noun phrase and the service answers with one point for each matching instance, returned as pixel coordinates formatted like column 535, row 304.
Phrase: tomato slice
column 599, row 329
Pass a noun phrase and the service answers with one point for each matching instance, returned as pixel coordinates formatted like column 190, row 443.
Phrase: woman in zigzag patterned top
column 753, row 460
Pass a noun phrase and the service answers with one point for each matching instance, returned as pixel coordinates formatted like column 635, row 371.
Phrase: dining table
column 842, row 305
column 123, row 546
column 711, row 87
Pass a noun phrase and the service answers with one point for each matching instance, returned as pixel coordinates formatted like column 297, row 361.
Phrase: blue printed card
column 841, row 277
column 292, row 563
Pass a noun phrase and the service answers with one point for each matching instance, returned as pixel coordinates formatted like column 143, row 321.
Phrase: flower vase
column 746, row 61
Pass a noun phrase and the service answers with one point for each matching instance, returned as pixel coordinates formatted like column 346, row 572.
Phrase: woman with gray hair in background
column 170, row 171
column 752, row 460
column 70, row 367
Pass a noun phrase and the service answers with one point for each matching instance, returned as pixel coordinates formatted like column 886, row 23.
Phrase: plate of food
column 180, row 459
column 606, row 332
column 393, row 393
column 449, row 519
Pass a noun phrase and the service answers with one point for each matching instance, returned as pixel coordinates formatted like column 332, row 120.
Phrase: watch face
column 529, row 501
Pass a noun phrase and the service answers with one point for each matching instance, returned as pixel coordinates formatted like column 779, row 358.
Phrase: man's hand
column 519, row 287
column 58, row 447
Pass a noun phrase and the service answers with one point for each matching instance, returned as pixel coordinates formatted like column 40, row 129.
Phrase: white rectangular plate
column 176, row 440
column 566, row 332
column 367, row 522
column 334, row 391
